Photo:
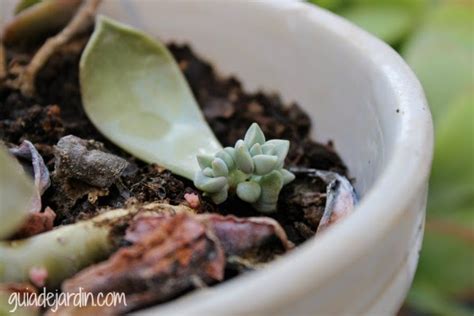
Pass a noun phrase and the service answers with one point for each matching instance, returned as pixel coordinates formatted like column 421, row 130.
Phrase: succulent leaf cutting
column 151, row 112
column 253, row 169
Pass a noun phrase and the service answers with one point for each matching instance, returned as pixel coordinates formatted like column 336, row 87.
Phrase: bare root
column 79, row 23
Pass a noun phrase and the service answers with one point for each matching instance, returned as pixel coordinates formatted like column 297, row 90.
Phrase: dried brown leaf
column 240, row 235
column 237, row 235
column 163, row 263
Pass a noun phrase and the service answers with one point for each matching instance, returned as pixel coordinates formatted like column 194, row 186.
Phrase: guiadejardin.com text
column 55, row 300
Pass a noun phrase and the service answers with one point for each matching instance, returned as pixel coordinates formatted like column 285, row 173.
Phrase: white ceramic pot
column 360, row 94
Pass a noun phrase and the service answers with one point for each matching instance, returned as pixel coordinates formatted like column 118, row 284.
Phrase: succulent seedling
column 253, row 169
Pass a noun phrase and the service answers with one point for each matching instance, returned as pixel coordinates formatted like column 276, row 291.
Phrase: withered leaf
column 239, row 235
column 236, row 235
column 175, row 251
column 143, row 225
column 32, row 160
column 161, row 264
column 36, row 221
column 341, row 197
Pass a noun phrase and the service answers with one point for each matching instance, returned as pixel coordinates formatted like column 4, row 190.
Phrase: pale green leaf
column 219, row 168
column 226, row 157
column 270, row 185
column 287, row 176
column 220, row 196
column 208, row 172
column 135, row 94
column 16, row 191
column 256, row 150
column 264, row 164
column 268, row 149
column 280, row 148
column 243, row 159
column 208, row 184
column 248, row 191
column 204, row 160
column 254, row 135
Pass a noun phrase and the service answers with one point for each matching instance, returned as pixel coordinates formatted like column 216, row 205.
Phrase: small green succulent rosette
column 253, row 169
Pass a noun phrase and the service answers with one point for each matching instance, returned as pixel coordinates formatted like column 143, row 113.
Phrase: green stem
column 68, row 249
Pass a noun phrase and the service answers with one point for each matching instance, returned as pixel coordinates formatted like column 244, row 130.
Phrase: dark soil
column 57, row 112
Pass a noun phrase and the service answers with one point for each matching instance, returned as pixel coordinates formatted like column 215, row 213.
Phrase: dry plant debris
column 81, row 20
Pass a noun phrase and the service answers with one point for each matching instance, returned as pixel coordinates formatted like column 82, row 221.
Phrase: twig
column 3, row 65
column 79, row 22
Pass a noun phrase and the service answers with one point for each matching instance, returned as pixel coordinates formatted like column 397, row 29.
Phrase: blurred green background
column 436, row 38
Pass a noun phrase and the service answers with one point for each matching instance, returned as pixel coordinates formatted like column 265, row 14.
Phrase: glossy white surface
column 361, row 95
